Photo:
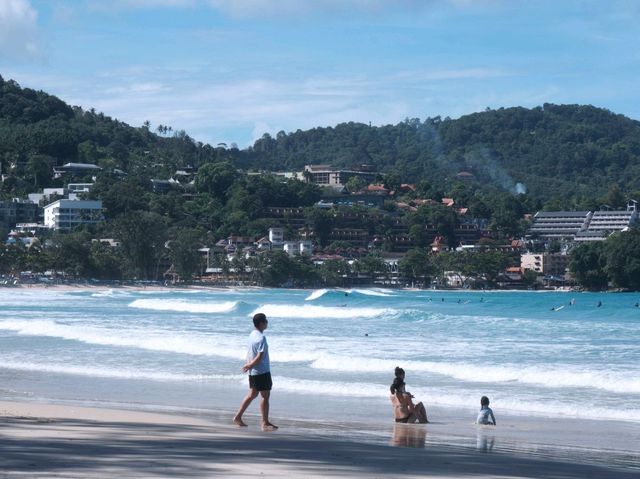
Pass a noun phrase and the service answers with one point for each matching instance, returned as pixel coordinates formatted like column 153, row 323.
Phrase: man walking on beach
column 259, row 373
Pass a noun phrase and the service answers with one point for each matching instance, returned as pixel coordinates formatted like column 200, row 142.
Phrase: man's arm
column 493, row 418
column 254, row 362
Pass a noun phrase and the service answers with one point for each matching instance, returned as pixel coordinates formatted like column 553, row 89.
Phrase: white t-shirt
column 483, row 416
column 258, row 344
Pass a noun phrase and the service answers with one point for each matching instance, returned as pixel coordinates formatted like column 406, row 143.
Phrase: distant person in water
column 404, row 410
column 259, row 370
column 485, row 412
column 599, row 304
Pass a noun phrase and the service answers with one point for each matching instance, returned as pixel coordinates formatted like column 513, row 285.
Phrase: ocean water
column 333, row 351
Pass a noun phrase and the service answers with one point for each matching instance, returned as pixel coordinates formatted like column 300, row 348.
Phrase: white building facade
column 65, row 214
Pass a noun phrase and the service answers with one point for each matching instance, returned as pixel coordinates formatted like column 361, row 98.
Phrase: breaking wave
column 310, row 312
column 618, row 382
column 184, row 306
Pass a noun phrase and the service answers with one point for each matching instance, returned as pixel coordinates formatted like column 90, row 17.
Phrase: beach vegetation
column 623, row 259
column 588, row 263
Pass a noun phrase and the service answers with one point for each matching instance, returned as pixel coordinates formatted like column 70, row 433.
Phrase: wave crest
column 184, row 306
column 617, row 382
column 319, row 293
column 310, row 312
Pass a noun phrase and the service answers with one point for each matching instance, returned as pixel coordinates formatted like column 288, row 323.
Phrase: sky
column 228, row 71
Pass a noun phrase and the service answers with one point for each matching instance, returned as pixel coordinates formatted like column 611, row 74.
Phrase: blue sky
column 231, row 70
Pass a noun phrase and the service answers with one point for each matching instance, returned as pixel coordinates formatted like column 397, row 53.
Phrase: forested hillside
column 564, row 151
column 565, row 155
column 39, row 131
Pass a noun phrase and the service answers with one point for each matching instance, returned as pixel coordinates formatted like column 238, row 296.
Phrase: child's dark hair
column 259, row 318
column 399, row 371
column 484, row 401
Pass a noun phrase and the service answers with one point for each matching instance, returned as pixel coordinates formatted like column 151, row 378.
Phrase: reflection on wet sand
column 485, row 440
column 409, row 435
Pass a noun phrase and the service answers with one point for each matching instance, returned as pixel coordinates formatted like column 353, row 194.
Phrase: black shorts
column 261, row 382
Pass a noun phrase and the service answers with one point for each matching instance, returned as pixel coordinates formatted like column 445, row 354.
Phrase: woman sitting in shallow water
column 403, row 408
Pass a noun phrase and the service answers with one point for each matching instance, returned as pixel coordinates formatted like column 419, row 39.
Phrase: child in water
column 485, row 412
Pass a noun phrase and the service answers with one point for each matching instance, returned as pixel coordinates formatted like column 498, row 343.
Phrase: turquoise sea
column 333, row 351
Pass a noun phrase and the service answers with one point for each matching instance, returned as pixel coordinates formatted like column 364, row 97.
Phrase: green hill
column 569, row 153
column 39, row 131
column 563, row 151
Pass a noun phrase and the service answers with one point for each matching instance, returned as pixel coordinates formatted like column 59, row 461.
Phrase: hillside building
column 559, row 224
column 603, row 223
column 18, row 211
column 75, row 169
column 64, row 215
column 324, row 175
column 554, row 264
column 582, row 226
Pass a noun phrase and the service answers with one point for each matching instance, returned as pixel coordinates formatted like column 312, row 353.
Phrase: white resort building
column 582, row 225
column 67, row 214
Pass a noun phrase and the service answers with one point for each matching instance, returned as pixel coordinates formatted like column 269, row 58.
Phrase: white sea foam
column 371, row 292
column 330, row 388
column 119, row 373
column 167, row 341
column 196, row 344
column 184, row 306
column 318, row 293
column 309, row 312
column 521, row 405
column 110, row 293
column 554, row 377
column 458, row 398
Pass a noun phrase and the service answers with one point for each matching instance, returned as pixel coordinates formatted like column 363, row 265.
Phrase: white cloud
column 227, row 108
column 210, row 110
column 115, row 6
column 18, row 29
column 453, row 74
column 253, row 8
column 155, row 3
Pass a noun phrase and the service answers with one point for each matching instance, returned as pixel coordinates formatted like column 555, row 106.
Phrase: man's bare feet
column 239, row 422
column 269, row 427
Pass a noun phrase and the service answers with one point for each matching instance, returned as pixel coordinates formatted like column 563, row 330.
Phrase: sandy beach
column 38, row 441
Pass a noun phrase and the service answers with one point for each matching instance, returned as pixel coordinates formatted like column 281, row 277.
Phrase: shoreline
column 41, row 440
column 83, row 286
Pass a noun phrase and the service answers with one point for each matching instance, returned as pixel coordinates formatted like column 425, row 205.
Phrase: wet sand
column 38, row 441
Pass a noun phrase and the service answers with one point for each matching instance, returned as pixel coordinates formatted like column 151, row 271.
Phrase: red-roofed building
column 377, row 189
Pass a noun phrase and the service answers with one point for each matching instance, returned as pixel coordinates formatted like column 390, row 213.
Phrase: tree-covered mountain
column 568, row 152
column 39, row 131
column 563, row 155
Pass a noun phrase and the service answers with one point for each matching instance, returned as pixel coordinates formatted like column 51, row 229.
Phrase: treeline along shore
column 433, row 203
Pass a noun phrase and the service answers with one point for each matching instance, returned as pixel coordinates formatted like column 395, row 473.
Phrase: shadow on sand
column 73, row 448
